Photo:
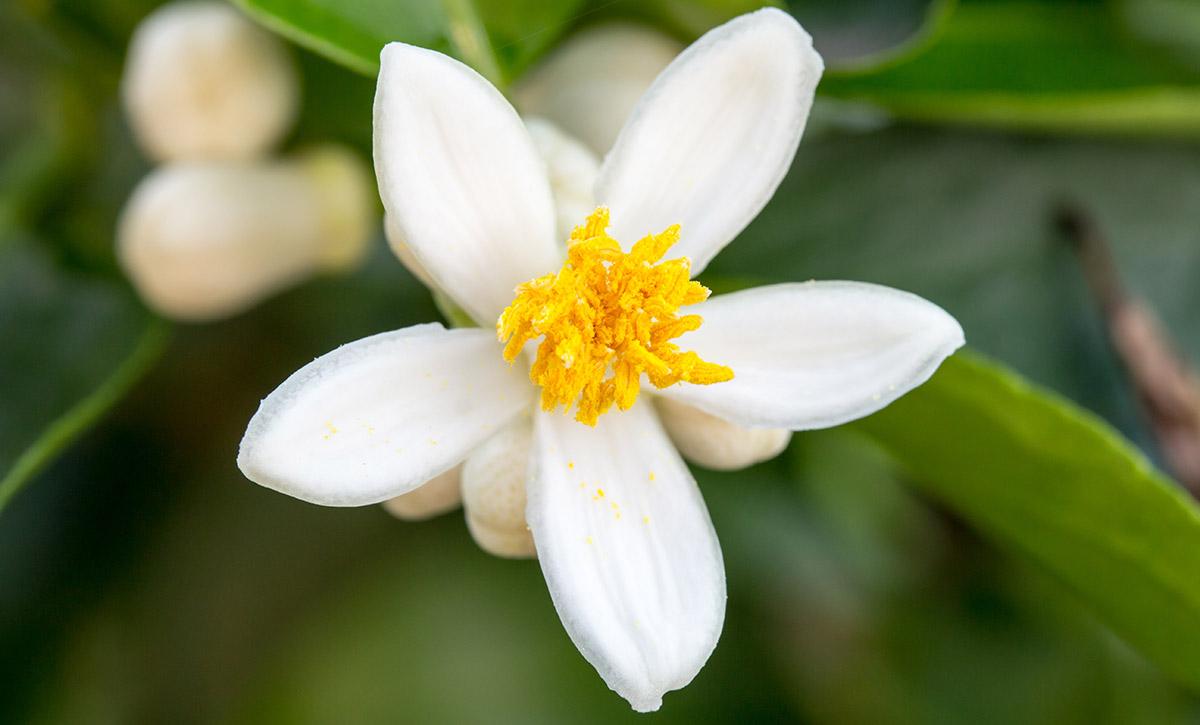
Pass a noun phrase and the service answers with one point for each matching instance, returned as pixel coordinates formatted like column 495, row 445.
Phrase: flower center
column 607, row 317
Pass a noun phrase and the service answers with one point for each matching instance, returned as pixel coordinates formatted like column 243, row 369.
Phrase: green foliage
column 966, row 220
column 71, row 348
column 1173, row 25
column 1063, row 488
column 851, row 599
column 1042, row 65
column 500, row 39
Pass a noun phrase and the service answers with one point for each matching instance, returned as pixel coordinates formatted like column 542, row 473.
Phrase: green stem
column 64, row 430
column 470, row 40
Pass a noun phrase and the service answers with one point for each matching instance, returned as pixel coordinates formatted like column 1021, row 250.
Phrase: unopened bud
column 207, row 240
column 572, row 168
column 715, row 443
column 202, row 82
column 493, row 489
column 435, row 497
column 589, row 85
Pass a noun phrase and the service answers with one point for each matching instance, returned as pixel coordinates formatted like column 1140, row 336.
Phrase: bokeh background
column 143, row 579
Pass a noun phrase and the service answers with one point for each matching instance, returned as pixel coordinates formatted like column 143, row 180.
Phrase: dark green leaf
column 966, row 220
column 1173, row 25
column 1037, row 65
column 71, row 349
column 353, row 33
column 498, row 38
column 1058, row 484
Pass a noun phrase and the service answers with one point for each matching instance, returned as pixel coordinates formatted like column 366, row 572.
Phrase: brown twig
column 1167, row 388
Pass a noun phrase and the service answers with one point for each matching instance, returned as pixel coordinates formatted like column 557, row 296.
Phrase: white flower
column 202, row 241
column 621, row 532
column 203, row 82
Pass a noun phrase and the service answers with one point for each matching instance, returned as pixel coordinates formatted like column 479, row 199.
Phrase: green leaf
column 499, row 39
column 967, row 220
column 1061, row 486
column 692, row 18
column 1173, row 25
column 72, row 348
column 863, row 34
column 1036, row 65
column 352, row 33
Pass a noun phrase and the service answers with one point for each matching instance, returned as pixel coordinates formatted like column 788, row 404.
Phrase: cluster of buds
column 222, row 222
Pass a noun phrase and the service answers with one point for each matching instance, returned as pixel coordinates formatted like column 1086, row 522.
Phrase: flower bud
column 202, row 241
column 715, row 443
column 435, row 497
column 202, row 82
column 572, row 168
column 493, row 489
column 591, row 82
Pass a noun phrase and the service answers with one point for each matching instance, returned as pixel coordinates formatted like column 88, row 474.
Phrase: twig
column 1167, row 388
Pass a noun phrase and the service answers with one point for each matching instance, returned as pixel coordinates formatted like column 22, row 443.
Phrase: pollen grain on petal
column 605, row 319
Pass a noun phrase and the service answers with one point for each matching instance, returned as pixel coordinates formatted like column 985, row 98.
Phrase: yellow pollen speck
column 588, row 539
column 646, row 520
column 652, row 475
column 600, row 492
column 571, row 465
column 607, row 317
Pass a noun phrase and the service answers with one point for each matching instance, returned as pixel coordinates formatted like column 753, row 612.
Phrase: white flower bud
column 572, row 168
column 207, row 240
column 715, row 443
column 435, row 497
column 493, row 489
column 591, row 82
column 203, row 82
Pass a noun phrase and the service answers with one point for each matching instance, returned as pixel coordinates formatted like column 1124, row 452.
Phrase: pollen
column 606, row 318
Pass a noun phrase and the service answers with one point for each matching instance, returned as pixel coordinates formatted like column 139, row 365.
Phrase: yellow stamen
column 607, row 317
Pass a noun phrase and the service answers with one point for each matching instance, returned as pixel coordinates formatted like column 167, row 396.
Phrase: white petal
column 378, row 417
column 712, row 442
column 461, row 179
column 395, row 240
column 628, row 551
column 815, row 354
column 441, row 494
column 713, row 137
column 572, row 168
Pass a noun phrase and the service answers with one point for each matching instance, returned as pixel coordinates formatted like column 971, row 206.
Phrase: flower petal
column 379, row 417
column 461, row 179
column 572, row 168
column 815, row 354
column 628, row 551
column 713, row 137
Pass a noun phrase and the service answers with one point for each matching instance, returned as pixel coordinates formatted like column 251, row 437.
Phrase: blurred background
column 1030, row 165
